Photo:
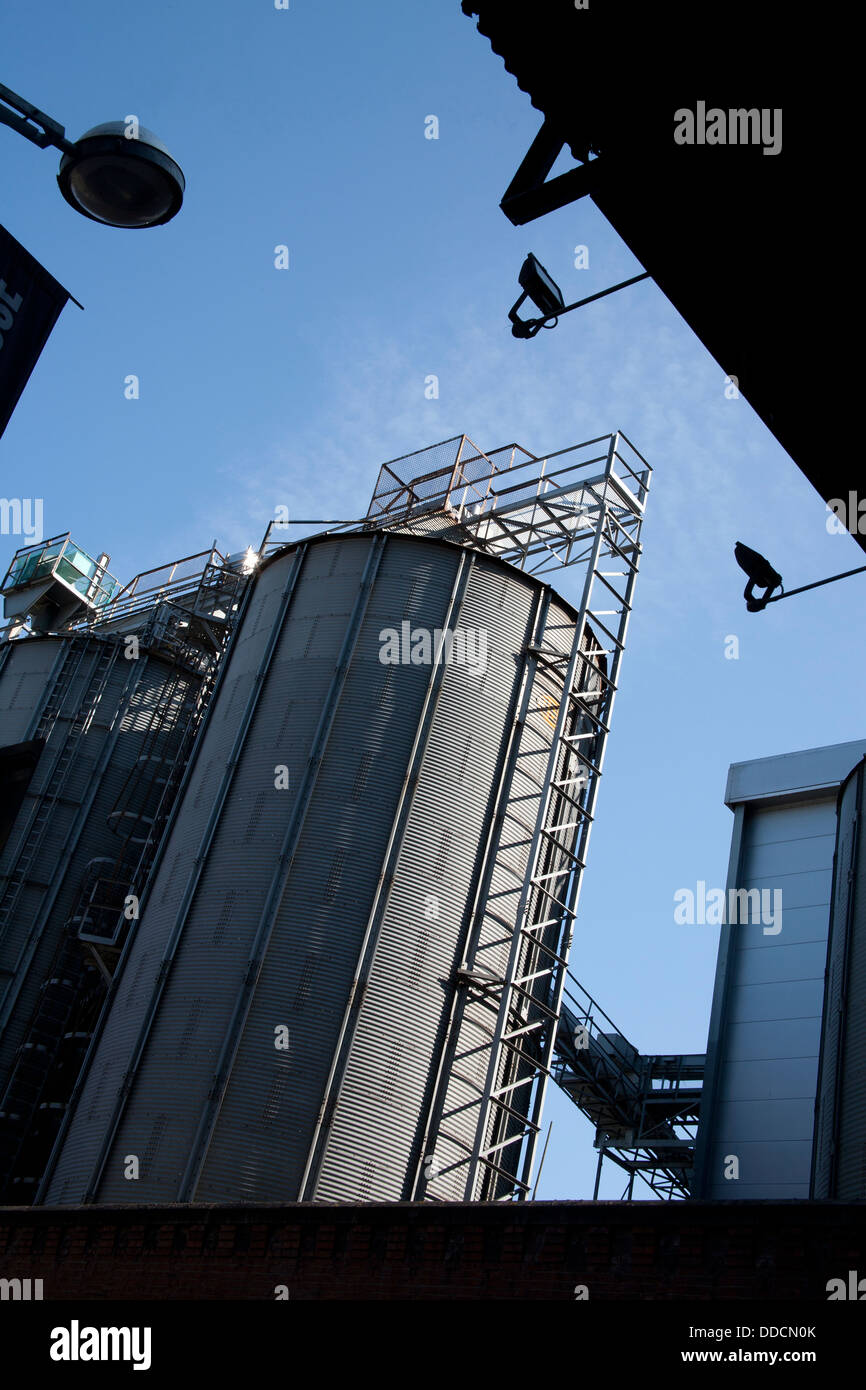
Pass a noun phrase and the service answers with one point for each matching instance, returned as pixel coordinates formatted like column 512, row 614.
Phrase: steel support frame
column 664, row 1180
column 557, row 834
column 613, row 1086
column 532, row 194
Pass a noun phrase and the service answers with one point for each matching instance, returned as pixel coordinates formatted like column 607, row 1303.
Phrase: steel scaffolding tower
column 561, row 519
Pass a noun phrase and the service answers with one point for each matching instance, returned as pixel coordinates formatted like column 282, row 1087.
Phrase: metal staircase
column 645, row 1109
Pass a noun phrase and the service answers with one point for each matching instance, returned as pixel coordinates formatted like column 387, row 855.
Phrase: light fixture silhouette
column 540, row 287
column 761, row 575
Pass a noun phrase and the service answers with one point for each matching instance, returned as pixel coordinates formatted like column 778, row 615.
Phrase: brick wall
column 538, row 1250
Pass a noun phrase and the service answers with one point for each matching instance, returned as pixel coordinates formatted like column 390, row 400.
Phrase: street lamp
column 121, row 182
column 546, row 295
column 118, row 173
column 761, row 575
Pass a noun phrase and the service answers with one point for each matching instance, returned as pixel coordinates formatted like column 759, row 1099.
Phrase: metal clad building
column 327, row 916
column 840, row 1138
column 766, row 1022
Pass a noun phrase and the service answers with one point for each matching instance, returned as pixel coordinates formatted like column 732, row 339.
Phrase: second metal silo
column 99, row 697
column 346, row 978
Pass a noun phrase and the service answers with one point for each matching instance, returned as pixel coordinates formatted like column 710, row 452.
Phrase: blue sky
column 259, row 388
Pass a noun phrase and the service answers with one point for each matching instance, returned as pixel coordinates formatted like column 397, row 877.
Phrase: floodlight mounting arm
column 532, row 194
column 756, row 605
column 527, row 328
column 32, row 123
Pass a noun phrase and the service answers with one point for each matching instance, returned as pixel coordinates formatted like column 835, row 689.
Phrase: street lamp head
column 760, row 574
column 121, row 180
column 544, row 292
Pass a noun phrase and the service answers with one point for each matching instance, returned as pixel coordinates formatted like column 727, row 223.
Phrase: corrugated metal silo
column 101, row 692
column 332, row 914
column 77, row 721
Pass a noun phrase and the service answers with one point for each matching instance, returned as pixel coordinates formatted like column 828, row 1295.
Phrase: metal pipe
column 541, row 1163
column 816, row 585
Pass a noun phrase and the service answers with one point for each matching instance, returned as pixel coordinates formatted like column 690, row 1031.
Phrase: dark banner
column 30, row 304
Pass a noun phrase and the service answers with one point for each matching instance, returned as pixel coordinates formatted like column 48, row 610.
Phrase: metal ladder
column 509, row 1017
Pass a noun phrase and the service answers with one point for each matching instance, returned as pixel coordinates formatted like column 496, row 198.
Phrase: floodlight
column 760, row 574
column 544, row 293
